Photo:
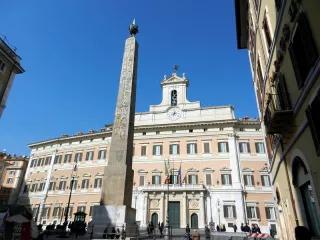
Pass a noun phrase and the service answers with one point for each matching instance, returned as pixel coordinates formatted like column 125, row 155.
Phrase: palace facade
column 218, row 167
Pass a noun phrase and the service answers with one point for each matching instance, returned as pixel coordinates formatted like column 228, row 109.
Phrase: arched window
column 174, row 98
column 154, row 219
column 194, row 220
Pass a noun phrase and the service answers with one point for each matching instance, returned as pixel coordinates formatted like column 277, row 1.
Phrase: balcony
column 278, row 114
column 172, row 187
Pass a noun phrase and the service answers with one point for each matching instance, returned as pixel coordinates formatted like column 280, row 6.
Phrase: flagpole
column 166, row 235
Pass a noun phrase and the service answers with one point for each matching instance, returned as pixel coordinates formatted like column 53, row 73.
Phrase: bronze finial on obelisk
column 116, row 195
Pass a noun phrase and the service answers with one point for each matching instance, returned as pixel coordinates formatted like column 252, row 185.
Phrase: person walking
column 235, row 227
column 187, row 229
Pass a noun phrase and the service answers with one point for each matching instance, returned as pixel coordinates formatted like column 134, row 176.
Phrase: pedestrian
column 187, row 229
column 258, row 228
column 242, row 227
column 113, row 233
column 207, row 232
column 118, row 233
column 246, row 228
column 235, row 227
column 149, row 228
column 195, row 235
column 161, row 229
column 218, row 228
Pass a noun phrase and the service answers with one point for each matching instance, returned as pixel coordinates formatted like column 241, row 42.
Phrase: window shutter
column 195, row 148
column 230, row 179
column 248, row 146
column 252, row 179
column 241, row 147
column 222, row 179
column 267, row 212
column 171, row 149
column 245, row 180
column 308, row 43
column 154, row 150
column 208, row 178
column 257, row 147
column 153, row 179
column 262, row 180
column 282, row 93
column 160, row 149
column 178, row 149
column 225, row 211
column 227, row 146
column 249, row 215
column 219, row 147
column 196, row 179
column 48, row 213
column 188, row 148
column 189, row 179
column 258, row 212
column 313, row 116
column 234, row 211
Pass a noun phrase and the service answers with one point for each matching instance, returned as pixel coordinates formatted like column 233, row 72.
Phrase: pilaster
column 202, row 212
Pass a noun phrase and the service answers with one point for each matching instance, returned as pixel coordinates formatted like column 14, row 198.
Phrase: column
column 202, row 212
column 145, row 208
column 184, row 210
column 162, row 208
column 234, row 161
column 209, row 208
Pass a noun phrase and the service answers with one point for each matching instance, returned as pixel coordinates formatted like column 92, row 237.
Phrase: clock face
column 174, row 114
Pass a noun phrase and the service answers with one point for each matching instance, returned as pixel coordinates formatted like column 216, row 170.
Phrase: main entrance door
column 174, row 214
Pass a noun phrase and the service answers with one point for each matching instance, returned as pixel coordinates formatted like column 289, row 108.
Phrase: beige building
column 283, row 41
column 218, row 167
column 9, row 67
column 12, row 171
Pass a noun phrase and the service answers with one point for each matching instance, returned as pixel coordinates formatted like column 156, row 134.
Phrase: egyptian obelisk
column 115, row 208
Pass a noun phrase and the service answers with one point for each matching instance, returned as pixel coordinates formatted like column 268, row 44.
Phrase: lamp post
column 219, row 211
column 70, row 194
column 167, row 226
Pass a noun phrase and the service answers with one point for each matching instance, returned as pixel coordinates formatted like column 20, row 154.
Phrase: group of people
column 151, row 228
column 221, row 228
column 254, row 228
column 113, row 234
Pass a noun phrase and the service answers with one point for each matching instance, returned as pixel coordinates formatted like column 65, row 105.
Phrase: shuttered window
column 191, row 148
column 223, row 147
column 206, row 147
column 157, row 150
column 193, row 179
column 265, row 180
column 208, row 179
column 303, row 50
column 141, row 181
column 85, row 184
column 313, row 115
column 78, row 157
column 156, row 179
column 226, row 179
column 229, row 211
column 89, row 155
column 244, row 147
column 98, row 183
column 174, row 149
column 102, row 154
column 143, row 150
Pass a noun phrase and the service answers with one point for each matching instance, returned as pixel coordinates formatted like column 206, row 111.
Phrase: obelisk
column 115, row 209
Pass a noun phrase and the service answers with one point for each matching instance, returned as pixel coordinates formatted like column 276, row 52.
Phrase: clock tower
column 174, row 97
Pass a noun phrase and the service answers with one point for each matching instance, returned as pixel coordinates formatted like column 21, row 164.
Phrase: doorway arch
column 301, row 180
column 194, row 220
column 154, row 219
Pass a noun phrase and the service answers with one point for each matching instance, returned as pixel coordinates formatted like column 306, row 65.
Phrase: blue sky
column 72, row 52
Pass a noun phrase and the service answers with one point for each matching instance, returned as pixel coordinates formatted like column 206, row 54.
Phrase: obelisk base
column 109, row 216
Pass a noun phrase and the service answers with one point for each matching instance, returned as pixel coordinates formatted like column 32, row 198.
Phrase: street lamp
column 219, row 211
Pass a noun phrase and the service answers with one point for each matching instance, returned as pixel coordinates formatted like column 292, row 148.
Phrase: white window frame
column 223, row 147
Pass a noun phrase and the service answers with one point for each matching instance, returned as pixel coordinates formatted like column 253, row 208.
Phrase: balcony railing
column 172, row 187
column 278, row 114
